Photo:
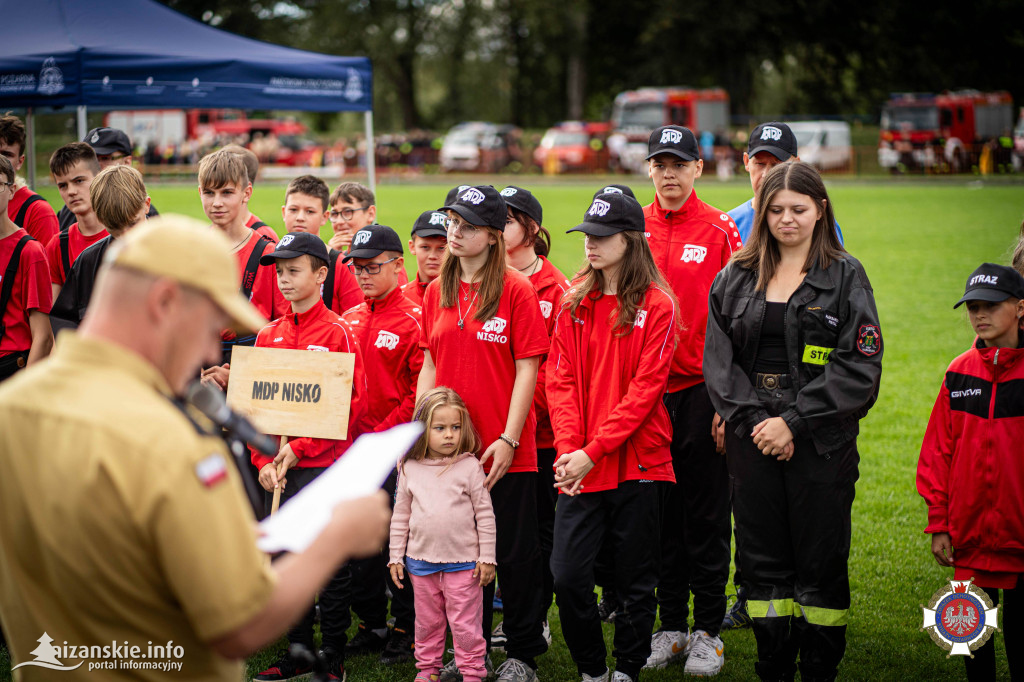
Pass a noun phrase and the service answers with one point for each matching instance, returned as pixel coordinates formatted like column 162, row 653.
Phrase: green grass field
column 918, row 243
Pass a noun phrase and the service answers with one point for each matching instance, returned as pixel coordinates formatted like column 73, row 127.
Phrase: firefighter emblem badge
column 960, row 618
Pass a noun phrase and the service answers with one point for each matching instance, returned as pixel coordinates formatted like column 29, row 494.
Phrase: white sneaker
column 514, row 670
column 621, row 677
column 546, row 633
column 600, row 678
column 707, row 655
column 498, row 638
column 667, row 646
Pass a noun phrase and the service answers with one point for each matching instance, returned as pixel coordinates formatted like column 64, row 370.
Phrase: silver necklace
column 462, row 317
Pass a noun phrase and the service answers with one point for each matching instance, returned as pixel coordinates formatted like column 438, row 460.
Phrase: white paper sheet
column 359, row 472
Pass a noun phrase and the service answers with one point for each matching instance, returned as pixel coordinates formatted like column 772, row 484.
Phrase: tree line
column 535, row 62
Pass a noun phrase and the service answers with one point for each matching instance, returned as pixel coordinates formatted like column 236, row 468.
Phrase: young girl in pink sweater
column 442, row 532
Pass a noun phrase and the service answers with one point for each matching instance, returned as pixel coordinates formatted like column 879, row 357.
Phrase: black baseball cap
column 609, row 213
column 108, row 141
column 775, row 138
column 615, row 189
column 481, row 205
column 453, row 194
column 994, row 283
column 431, row 224
column 295, row 244
column 373, row 240
column 675, row 140
column 523, row 199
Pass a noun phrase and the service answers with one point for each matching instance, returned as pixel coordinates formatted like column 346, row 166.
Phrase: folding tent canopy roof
column 140, row 54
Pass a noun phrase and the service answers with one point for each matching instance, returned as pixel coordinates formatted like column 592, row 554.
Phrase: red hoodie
column 690, row 246
column 318, row 329
column 971, row 472
column 388, row 332
column 550, row 284
column 605, row 391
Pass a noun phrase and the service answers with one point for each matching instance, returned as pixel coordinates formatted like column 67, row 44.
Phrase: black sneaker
column 399, row 648
column 335, row 661
column 366, row 641
column 284, row 668
column 737, row 617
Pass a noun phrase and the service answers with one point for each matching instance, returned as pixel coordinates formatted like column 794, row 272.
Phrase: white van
column 823, row 144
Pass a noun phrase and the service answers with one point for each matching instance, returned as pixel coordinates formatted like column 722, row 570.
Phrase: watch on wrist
column 511, row 441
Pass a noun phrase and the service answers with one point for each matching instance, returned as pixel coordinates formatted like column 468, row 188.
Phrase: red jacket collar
column 1001, row 357
column 390, row 301
column 315, row 312
column 685, row 211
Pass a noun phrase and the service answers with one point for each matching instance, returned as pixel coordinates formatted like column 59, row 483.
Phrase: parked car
column 480, row 147
column 573, row 146
column 823, row 144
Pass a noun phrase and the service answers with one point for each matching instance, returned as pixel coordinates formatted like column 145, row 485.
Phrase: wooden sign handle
column 277, row 491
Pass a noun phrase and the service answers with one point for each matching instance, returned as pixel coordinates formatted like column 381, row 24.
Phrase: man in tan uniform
column 123, row 523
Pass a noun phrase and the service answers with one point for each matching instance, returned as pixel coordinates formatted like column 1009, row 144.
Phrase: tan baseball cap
column 193, row 253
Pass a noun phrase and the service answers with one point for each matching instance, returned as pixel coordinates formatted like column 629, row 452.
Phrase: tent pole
column 371, row 153
column 83, row 126
column 30, row 151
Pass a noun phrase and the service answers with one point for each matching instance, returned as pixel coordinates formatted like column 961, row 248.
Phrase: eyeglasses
column 111, row 157
column 9, row 185
column 370, row 269
column 347, row 213
column 456, row 226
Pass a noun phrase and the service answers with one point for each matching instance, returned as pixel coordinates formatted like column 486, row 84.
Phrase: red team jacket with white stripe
column 613, row 410
column 971, row 471
column 690, row 246
column 550, row 284
column 388, row 332
column 318, row 329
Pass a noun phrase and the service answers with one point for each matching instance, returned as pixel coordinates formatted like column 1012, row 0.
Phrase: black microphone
column 210, row 402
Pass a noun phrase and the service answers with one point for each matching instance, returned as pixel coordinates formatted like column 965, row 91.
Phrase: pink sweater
column 443, row 517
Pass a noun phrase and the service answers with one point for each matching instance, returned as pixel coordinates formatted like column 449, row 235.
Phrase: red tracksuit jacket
column 971, row 469
column 318, row 329
column 613, row 410
column 550, row 284
column 690, row 246
column 388, row 333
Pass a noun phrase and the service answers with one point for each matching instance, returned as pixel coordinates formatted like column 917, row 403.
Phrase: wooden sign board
column 296, row 393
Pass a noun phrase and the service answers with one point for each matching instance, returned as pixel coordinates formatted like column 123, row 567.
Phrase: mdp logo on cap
column 960, row 618
column 509, row 191
column 670, row 136
column 600, row 207
column 472, row 196
column 361, row 237
column 286, row 240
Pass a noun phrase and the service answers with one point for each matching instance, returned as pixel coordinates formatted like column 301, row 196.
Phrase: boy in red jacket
column 970, row 471
column 301, row 263
column 387, row 325
column 428, row 244
column 691, row 242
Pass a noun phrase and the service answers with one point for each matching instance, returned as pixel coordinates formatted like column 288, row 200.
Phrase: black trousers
column 793, row 539
column 514, row 499
column 627, row 519
column 695, row 520
column 370, row 579
column 547, row 496
column 11, row 363
column 336, row 596
column 982, row 668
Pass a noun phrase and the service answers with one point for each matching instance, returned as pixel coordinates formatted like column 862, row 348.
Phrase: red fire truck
column 636, row 113
column 941, row 132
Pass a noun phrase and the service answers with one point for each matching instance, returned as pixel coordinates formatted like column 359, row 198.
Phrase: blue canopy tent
column 139, row 54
